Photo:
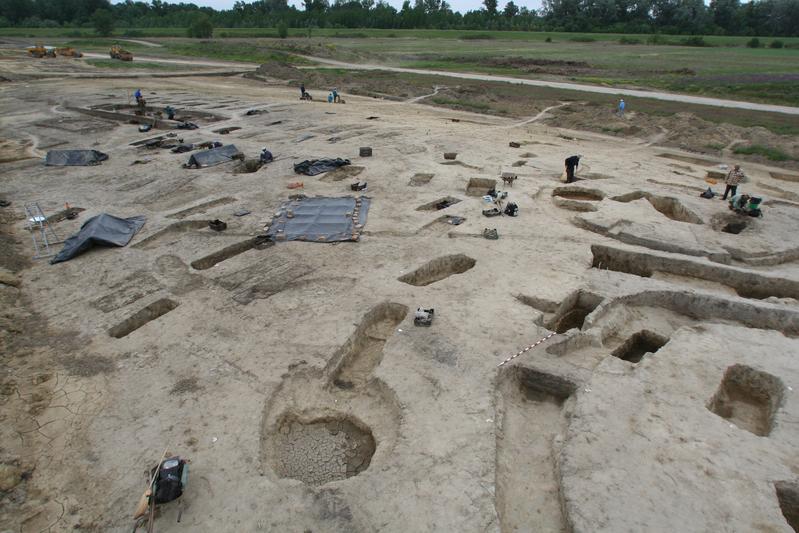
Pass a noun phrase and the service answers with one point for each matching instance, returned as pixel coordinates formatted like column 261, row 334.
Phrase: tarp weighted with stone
column 74, row 158
column 320, row 219
column 101, row 230
column 313, row 167
column 215, row 156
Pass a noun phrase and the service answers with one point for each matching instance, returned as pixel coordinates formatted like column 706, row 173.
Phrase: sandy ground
column 293, row 378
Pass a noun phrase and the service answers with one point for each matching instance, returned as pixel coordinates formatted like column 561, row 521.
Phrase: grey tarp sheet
column 319, row 219
column 215, row 156
column 74, row 158
column 101, row 230
column 318, row 166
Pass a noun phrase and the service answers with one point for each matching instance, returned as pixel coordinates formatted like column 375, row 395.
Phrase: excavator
column 41, row 50
column 67, row 51
column 117, row 52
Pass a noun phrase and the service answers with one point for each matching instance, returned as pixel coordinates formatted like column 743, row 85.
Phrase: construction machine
column 41, row 51
column 117, row 52
column 67, row 51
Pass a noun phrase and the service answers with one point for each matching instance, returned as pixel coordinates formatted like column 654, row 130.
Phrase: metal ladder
column 42, row 234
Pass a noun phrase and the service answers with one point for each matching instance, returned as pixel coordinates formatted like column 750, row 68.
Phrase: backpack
column 511, row 209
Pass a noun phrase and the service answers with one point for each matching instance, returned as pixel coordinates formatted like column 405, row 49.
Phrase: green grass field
column 366, row 33
column 728, row 69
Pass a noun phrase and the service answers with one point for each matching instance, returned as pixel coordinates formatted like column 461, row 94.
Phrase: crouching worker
column 743, row 204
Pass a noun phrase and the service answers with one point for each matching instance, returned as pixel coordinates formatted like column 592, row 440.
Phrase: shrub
column 754, row 42
column 282, row 30
column 776, row 44
column 548, row 40
column 103, row 22
column 629, row 40
column 201, row 28
column 476, row 37
column 694, row 40
column 766, row 151
column 657, row 39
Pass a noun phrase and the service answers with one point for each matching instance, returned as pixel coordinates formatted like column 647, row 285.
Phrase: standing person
column 622, row 105
column 336, row 97
column 571, row 164
column 733, row 179
column 302, row 91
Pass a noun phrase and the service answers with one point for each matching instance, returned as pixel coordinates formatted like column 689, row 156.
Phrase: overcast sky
column 457, row 5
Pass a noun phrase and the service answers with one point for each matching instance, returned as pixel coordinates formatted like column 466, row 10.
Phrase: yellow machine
column 67, row 51
column 117, row 52
column 41, row 51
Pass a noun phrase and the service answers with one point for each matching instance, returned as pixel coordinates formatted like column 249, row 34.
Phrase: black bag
column 511, row 209
column 708, row 193
column 171, row 479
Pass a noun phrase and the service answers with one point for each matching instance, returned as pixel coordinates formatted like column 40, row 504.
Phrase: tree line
column 687, row 17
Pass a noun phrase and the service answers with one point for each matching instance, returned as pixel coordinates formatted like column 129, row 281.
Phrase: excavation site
column 382, row 313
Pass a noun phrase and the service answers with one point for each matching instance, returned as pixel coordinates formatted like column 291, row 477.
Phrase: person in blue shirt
column 622, row 105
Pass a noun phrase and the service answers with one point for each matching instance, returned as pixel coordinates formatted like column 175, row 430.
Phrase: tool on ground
column 42, row 234
column 527, row 349
column 168, row 482
column 491, row 234
column 358, row 186
column 423, row 317
column 217, row 225
column 508, row 178
column 144, row 501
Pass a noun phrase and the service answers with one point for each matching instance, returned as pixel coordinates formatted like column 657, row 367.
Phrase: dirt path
column 196, row 62
column 670, row 97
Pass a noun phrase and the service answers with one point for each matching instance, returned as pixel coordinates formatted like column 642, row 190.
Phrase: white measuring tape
column 536, row 343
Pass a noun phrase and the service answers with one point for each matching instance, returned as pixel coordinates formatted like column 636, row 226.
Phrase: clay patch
column 420, row 179
column 322, row 450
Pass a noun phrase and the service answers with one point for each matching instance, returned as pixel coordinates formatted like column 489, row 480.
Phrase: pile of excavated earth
column 291, row 373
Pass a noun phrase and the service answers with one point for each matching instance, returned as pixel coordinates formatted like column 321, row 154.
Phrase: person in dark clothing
column 571, row 164
column 302, row 91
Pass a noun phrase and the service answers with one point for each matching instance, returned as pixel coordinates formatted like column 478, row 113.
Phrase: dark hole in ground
column 440, row 203
column 735, row 227
column 640, row 344
column 438, row 269
column 142, row 317
column 573, row 311
column 322, row 450
column 788, row 496
column 748, row 398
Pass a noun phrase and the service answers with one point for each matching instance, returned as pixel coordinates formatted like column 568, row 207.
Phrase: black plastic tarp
column 101, row 230
column 320, row 219
column 215, row 156
column 313, row 167
column 74, row 158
